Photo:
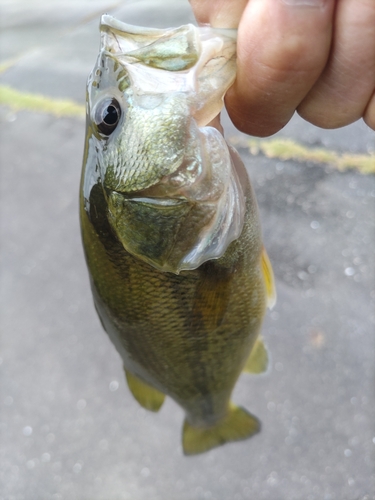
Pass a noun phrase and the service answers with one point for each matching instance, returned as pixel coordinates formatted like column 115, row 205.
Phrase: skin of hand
column 313, row 56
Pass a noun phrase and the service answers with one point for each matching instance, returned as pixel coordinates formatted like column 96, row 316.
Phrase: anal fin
column 147, row 396
column 236, row 426
column 257, row 362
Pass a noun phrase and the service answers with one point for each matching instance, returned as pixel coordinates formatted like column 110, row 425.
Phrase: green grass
column 36, row 102
column 287, row 149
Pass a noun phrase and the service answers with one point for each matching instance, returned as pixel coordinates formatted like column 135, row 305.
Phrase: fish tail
column 237, row 425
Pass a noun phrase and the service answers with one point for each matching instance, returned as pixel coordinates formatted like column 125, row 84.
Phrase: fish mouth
column 151, row 200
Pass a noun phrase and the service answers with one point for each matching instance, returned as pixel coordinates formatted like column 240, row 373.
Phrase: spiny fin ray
column 268, row 279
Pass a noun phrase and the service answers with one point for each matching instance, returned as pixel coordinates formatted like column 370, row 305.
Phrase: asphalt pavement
column 69, row 427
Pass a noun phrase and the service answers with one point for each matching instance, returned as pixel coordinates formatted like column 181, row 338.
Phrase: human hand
column 313, row 56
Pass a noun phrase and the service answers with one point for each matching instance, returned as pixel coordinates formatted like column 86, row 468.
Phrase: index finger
column 283, row 46
column 219, row 13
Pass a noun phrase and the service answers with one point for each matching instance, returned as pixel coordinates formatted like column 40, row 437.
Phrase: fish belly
column 186, row 335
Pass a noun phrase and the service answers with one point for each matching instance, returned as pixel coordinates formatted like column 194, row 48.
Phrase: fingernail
column 305, row 3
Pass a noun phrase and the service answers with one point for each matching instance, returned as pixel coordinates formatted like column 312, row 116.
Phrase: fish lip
column 152, row 200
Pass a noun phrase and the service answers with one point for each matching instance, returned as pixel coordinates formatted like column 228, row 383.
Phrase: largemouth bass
column 170, row 225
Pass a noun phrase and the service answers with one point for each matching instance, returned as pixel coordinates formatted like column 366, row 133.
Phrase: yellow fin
column 257, row 362
column 237, row 425
column 268, row 279
column 147, row 396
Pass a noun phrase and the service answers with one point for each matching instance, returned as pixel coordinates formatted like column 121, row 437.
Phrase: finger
column 283, row 46
column 218, row 13
column 369, row 115
column 344, row 90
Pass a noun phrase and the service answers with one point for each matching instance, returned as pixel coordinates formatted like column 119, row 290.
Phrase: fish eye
column 107, row 115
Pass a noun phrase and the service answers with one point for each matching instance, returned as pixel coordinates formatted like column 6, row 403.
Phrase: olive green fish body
column 170, row 225
column 188, row 335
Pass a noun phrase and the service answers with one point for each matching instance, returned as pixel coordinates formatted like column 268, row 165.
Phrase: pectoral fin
column 237, row 425
column 268, row 279
column 211, row 297
column 258, row 360
column 147, row 396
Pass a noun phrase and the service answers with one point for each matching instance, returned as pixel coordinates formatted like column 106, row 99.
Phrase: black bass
column 170, row 225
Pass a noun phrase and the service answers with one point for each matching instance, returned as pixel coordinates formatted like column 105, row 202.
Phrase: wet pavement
column 69, row 427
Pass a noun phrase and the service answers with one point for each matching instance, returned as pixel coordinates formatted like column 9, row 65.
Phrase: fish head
column 150, row 97
column 139, row 137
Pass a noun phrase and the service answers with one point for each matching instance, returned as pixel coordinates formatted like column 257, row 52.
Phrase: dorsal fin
column 269, row 279
column 257, row 362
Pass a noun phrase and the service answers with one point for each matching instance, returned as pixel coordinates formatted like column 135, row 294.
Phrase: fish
column 170, row 226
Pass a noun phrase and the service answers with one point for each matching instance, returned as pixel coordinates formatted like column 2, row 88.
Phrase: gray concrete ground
column 70, row 430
